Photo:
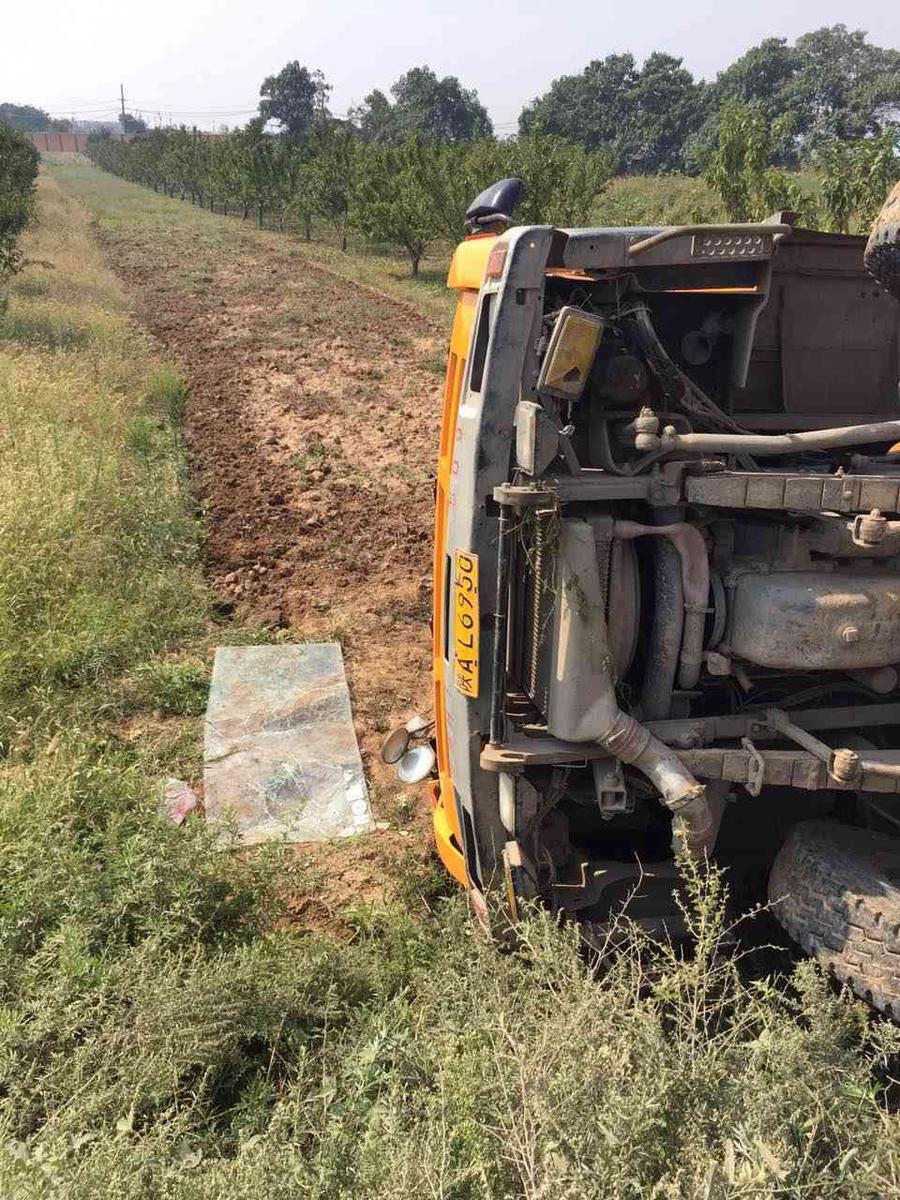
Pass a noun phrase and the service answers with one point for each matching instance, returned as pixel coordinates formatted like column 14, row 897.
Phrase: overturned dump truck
column 667, row 574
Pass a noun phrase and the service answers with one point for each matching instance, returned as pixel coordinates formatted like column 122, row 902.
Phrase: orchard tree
column 304, row 191
column 460, row 173
column 181, row 164
column 18, row 176
column 296, row 98
column 148, row 157
column 741, row 168
column 393, row 196
column 856, row 177
column 562, row 179
column 334, row 155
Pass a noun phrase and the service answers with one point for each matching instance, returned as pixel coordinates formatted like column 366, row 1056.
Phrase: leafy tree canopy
column 833, row 82
column 296, row 98
column 642, row 114
column 844, row 87
column 393, row 196
column 763, row 76
column 423, row 104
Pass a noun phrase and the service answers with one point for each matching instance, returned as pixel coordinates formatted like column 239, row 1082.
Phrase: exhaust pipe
column 582, row 704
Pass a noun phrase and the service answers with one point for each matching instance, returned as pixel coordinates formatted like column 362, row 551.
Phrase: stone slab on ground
column 281, row 760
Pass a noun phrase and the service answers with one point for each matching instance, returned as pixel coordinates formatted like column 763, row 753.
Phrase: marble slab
column 281, row 760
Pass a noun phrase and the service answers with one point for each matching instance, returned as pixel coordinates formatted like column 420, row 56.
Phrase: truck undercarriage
column 667, row 593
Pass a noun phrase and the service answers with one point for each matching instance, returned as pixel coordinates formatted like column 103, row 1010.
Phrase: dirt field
column 311, row 432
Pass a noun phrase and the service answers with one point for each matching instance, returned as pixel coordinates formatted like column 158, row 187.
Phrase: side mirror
column 494, row 206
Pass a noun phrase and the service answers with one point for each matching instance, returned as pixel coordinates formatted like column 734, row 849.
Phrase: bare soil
column 311, row 433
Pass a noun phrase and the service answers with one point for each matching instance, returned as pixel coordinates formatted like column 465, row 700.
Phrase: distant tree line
column 828, row 86
column 28, row 119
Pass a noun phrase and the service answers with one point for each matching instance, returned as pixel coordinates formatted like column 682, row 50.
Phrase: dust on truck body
column 666, row 575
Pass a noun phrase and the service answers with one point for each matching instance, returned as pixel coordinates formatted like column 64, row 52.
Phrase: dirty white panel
column 281, row 756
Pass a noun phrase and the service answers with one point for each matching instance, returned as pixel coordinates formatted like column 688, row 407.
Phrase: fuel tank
column 809, row 620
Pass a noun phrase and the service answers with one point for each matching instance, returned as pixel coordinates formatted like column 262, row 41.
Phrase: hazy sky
column 202, row 62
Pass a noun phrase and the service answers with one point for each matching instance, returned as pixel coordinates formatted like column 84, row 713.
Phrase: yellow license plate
column 466, row 623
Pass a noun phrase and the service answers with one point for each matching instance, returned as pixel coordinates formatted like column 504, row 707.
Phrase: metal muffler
column 581, row 701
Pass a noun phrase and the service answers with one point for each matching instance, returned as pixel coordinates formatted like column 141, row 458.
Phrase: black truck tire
column 836, row 890
column 882, row 254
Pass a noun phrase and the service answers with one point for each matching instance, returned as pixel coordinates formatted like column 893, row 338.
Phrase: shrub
column 856, row 178
column 18, row 174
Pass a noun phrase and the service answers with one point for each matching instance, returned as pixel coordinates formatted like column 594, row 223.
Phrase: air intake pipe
column 582, row 704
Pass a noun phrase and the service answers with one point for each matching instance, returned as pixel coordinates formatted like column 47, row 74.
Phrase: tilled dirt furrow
column 312, row 432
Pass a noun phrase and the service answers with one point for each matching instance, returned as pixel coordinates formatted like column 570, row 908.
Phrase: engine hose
column 688, row 541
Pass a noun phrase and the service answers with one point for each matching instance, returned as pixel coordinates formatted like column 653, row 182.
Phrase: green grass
column 98, row 549
column 657, row 200
column 164, row 1034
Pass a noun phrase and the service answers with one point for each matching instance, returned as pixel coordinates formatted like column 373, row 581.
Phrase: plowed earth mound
column 311, row 430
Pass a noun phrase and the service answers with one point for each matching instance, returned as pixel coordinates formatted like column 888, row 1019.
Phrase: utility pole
column 122, row 98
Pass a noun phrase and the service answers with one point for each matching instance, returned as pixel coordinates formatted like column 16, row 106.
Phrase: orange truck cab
column 666, row 558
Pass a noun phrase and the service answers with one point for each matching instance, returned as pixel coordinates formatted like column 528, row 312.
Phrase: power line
column 67, row 112
column 192, row 111
column 98, row 111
